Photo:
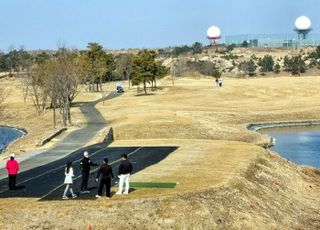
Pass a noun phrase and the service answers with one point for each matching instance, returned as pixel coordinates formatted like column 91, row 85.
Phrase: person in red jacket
column 12, row 168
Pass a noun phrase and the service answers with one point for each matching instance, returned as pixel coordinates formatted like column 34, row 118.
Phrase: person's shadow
column 20, row 187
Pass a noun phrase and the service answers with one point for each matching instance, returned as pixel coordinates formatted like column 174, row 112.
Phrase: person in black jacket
column 106, row 173
column 85, row 165
column 125, row 169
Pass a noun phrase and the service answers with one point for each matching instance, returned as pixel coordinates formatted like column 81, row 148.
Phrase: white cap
column 12, row 155
column 86, row 154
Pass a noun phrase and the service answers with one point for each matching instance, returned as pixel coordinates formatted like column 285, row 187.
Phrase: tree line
column 51, row 79
column 295, row 64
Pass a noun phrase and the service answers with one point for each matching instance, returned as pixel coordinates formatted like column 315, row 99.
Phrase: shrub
column 266, row 63
column 248, row 67
column 277, row 68
column 295, row 65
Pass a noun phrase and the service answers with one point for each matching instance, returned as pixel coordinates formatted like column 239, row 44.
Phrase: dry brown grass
column 195, row 165
column 22, row 115
column 269, row 193
column 224, row 182
column 195, row 109
column 17, row 113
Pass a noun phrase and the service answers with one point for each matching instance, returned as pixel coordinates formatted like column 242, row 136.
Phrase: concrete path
column 69, row 143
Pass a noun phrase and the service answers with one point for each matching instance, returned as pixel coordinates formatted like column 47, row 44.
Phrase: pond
column 8, row 135
column 297, row 144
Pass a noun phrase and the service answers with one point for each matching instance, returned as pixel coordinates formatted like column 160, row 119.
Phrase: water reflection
column 7, row 135
column 298, row 144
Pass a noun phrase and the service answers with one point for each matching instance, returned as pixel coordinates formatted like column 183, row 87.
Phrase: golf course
column 224, row 178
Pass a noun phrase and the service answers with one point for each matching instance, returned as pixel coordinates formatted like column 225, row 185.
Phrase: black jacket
column 85, row 165
column 125, row 167
column 106, row 171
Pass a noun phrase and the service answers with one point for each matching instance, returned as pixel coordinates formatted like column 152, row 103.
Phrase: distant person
column 12, row 167
column 217, row 82
column 85, row 166
column 220, row 82
column 125, row 169
column 68, row 181
column 106, row 173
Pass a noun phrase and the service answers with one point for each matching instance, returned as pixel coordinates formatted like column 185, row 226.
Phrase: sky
column 118, row 24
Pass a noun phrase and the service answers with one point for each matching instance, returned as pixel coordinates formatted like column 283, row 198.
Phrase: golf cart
column 120, row 88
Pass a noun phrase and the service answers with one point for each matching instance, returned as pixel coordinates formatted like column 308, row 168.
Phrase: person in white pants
column 124, row 178
column 125, row 169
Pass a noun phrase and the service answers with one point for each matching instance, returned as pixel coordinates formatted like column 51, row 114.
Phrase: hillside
column 228, row 61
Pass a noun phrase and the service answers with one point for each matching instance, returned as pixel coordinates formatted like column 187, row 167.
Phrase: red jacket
column 12, row 167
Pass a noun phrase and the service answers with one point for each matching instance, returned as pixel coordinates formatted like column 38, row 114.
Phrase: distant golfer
column 217, row 82
column 125, row 169
column 85, row 166
column 68, row 172
column 106, row 175
column 12, row 167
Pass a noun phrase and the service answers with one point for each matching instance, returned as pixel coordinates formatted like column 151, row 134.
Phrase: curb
column 264, row 125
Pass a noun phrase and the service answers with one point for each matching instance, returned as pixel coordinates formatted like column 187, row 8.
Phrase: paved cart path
column 42, row 174
column 46, row 182
column 69, row 143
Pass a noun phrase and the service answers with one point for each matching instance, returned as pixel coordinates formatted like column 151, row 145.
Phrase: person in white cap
column 85, row 165
column 12, row 167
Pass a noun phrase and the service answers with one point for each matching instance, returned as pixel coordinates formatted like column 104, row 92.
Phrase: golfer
column 106, row 173
column 85, row 166
column 125, row 169
column 12, row 167
column 68, row 181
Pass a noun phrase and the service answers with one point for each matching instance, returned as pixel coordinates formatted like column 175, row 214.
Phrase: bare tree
column 124, row 66
column 178, row 68
column 68, row 78
column 34, row 87
column 57, row 80
column 50, row 83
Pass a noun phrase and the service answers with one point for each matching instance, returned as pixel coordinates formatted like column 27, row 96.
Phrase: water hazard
column 7, row 135
column 297, row 144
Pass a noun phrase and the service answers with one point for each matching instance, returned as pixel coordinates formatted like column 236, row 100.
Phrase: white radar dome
column 213, row 32
column 303, row 23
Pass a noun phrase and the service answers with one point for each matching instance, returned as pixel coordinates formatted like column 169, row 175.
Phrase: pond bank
column 275, row 124
column 8, row 135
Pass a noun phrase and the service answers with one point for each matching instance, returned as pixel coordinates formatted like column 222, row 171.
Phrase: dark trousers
column 105, row 182
column 84, row 181
column 12, row 182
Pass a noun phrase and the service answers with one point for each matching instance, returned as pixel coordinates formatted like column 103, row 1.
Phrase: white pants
column 124, row 178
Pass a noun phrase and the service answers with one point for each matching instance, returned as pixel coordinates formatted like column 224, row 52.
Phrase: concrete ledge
column 264, row 125
column 52, row 135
